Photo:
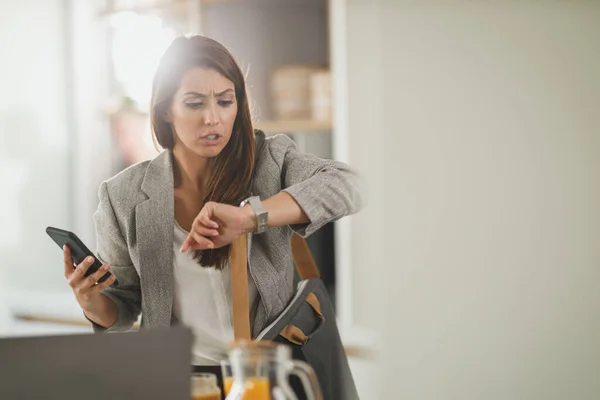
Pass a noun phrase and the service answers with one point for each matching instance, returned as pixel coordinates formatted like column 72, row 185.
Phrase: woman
column 165, row 226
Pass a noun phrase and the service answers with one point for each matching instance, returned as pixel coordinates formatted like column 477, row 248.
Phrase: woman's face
column 203, row 111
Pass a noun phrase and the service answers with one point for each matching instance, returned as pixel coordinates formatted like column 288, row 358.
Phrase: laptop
column 150, row 364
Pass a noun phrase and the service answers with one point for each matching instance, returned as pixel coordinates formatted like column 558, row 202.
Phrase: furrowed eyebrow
column 226, row 91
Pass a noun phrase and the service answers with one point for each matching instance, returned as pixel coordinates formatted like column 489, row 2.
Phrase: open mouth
column 212, row 139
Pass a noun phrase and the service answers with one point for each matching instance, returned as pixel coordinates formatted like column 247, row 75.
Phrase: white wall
column 93, row 149
column 356, row 50
column 34, row 142
column 489, row 139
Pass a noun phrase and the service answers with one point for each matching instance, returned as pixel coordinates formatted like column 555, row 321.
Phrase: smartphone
column 79, row 251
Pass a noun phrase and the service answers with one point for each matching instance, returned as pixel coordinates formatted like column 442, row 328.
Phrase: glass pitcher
column 260, row 371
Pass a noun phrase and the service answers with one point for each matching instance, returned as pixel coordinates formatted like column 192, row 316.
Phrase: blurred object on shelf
column 320, row 95
column 132, row 132
column 171, row 9
column 291, row 91
column 293, row 125
column 120, row 4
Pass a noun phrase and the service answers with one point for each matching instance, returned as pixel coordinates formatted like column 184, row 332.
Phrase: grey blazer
column 135, row 223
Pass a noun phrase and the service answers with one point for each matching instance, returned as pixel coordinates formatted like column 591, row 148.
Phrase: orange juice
column 227, row 382
column 254, row 388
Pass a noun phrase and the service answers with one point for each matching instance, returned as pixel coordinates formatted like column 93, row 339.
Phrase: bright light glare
column 138, row 43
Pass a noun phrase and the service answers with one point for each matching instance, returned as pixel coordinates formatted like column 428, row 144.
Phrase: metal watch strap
column 259, row 211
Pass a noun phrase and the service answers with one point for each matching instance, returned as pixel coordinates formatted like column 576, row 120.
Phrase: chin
column 209, row 152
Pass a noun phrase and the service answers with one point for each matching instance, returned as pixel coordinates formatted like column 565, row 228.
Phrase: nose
column 210, row 117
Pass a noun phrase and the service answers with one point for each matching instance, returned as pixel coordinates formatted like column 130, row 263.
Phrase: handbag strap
column 305, row 265
column 239, row 288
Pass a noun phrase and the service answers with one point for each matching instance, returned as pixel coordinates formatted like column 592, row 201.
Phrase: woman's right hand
column 86, row 289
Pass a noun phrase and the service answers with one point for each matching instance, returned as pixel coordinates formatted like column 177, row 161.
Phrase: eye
column 225, row 103
column 195, row 105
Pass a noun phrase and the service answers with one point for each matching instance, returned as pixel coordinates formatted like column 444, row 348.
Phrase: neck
column 191, row 171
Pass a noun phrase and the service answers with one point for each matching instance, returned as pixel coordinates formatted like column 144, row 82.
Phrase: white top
column 202, row 302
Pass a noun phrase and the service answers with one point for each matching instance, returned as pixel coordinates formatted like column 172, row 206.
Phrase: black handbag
column 307, row 324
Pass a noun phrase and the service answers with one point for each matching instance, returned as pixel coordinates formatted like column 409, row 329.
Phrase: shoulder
column 130, row 178
column 127, row 183
column 271, row 152
column 273, row 149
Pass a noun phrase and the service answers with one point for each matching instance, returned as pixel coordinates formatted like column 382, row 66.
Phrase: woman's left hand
column 218, row 225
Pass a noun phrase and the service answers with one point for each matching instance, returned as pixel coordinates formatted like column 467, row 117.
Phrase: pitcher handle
column 308, row 378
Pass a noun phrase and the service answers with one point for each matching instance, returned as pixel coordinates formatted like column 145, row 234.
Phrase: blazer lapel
column 154, row 220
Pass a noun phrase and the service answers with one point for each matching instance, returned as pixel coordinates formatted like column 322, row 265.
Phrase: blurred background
column 473, row 271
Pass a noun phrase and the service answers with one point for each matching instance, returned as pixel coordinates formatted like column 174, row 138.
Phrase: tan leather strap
column 305, row 265
column 239, row 288
column 294, row 334
column 313, row 301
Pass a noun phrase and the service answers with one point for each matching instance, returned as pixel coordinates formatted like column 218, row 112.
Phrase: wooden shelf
column 57, row 320
column 173, row 7
column 52, row 320
column 291, row 125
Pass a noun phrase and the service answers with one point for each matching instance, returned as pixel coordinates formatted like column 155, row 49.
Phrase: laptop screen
column 150, row 364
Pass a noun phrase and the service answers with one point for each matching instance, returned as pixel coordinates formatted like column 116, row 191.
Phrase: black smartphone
column 79, row 251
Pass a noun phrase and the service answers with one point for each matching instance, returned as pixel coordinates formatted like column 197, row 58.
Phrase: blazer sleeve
column 326, row 190
column 112, row 250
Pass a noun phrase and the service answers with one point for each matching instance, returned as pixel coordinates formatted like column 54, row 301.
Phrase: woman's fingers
column 205, row 220
column 103, row 285
column 196, row 241
column 201, row 241
column 68, row 261
column 80, row 271
column 204, row 230
column 92, row 279
column 206, row 215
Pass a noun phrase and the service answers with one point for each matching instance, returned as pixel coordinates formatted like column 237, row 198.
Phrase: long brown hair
column 231, row 170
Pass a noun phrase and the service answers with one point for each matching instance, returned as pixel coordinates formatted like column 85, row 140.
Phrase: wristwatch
column 259, row 211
